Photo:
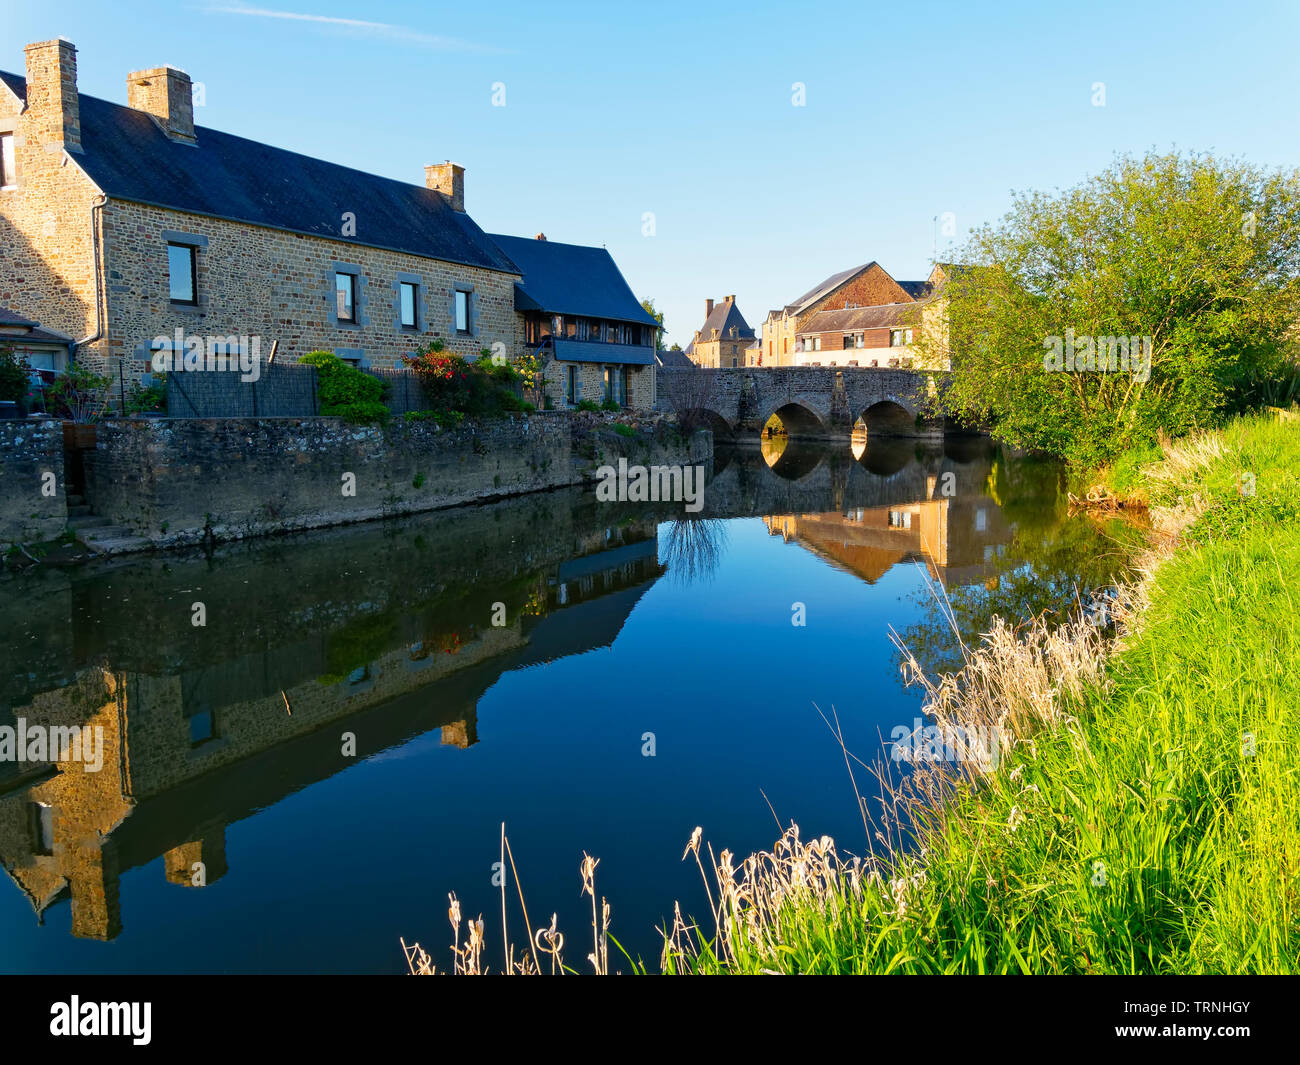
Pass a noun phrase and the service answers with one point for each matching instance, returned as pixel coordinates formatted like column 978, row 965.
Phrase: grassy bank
column 1145, row 814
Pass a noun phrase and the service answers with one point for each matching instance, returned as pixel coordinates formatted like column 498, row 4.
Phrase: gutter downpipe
column 98, row 205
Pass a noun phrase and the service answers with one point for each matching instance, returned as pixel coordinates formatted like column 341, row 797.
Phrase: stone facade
column 589, row 384
column 871, row 287
column 49, row 226
column 280, row 286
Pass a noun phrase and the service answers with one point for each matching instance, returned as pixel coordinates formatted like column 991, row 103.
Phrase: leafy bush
column 588, row 405
column 453, row 384
column 14, row 374
column 78, row 394
column 147, row 398
column 345, row 392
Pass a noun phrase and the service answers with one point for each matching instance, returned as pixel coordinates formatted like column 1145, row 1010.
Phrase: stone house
column 795, row 335
column 121, row 225
column 724, row 337
column 594, row 338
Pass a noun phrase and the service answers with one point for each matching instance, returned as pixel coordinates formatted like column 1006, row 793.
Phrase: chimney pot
column 448, row 179
column 168, row 95
column 541, row 236
column 52, row 101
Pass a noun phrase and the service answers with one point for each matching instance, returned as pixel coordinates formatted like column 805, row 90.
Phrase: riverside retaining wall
column 33, row 507
column 185, row 480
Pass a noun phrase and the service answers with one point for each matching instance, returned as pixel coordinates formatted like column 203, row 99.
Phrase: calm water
column 224, row 744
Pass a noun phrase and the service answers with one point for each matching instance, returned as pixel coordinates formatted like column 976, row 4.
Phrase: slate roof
column 599, row 351
column 13, row 326
column 918, row 290
column 571, row 279
column 673, row 359
column 849, row 319
column 130, row 158
column 723, row 318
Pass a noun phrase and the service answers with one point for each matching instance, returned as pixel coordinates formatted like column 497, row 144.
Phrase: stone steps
column 119, row 544
column 86, row 521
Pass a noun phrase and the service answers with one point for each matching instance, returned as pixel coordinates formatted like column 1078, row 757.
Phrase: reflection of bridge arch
column 886, row 457
column 799, row 419
column 790, row 461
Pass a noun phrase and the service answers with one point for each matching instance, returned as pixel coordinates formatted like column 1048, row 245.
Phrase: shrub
column 588, row 405
column 346, row 392
column 14, row 374
column 453, row 384
column 78, row 394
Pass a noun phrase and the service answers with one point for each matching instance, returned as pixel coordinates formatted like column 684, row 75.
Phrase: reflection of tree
column 1052, row 561
column 693, row 548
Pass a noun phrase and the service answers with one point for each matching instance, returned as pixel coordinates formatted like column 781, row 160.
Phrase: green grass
column 1181, row 779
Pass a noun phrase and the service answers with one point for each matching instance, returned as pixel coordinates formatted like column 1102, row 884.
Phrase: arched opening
column 702, row 418
column 794, row 420
column 886, row 418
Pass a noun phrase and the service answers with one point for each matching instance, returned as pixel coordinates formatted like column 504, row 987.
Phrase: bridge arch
column 887, row 417
column 706, row 418
column 799, row 419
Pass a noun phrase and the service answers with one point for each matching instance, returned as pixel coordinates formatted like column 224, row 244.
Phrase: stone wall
column 814, row 402
column 33, row 507
column 47, row 232
column 641, row 384
column 179, row 481
column 276, row 285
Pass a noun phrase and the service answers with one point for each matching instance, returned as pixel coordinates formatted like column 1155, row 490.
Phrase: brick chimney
column 449, row 179
column 168, row 95
column 731, row 299
column 708, row 309
column 54, row 111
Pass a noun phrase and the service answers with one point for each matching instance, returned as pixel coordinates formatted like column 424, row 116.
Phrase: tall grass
column 1142, row 814
column 1141, row 820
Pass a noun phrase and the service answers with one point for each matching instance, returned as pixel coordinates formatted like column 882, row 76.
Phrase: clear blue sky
column 684, row 110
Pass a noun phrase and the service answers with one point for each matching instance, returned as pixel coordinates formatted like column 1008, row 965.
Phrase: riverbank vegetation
column 1159, row 296
column 1141, row 818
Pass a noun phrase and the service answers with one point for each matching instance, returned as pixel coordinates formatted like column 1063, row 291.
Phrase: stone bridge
column 812, row 402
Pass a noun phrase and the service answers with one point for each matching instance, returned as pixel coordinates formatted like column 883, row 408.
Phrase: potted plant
column 81, row 397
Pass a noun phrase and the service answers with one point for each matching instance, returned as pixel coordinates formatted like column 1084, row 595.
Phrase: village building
column 862, row 310
column 594, row 338
column 123, row 224
column 723, row 338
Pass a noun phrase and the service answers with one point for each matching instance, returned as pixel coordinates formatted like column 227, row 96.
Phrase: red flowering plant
column 453, row 384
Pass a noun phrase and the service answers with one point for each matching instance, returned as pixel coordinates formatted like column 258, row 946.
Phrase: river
column 307, row 742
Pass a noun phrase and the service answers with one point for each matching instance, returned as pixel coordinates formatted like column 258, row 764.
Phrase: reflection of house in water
column 191, row 751
column 959, row 540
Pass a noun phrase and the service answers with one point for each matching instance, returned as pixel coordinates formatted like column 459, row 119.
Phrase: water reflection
column 322, row 651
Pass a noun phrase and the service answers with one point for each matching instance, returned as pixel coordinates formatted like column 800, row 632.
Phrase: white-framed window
column 8, row 167
column 462, row 311
column 182, row 270
column 408, row 303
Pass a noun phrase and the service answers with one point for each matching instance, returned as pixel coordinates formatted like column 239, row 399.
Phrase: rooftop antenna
column 935, row 257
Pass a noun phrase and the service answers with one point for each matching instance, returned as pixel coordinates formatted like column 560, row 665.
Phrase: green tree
column 1198, row 256
column 648, row 306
